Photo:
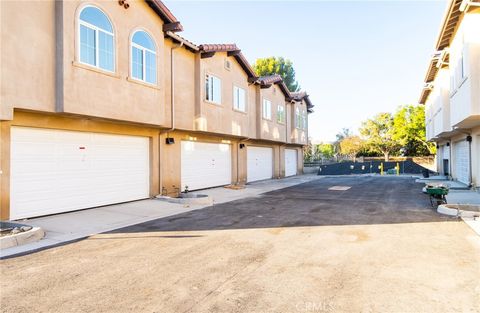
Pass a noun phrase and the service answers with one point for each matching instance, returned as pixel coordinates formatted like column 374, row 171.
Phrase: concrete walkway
column 62, row 228
column 467, row 197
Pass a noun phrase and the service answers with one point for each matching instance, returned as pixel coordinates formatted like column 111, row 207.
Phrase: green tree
column 340, row 136
column 325, row 150
column 280, row 66
column 351, row 146
column 409, row 130
column 379, row 134
column 308, row 152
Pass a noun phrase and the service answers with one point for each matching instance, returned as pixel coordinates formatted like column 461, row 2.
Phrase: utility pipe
column 172, row 109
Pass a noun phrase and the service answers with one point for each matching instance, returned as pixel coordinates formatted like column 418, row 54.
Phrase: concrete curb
column 471, row 218
column 32, row 235
column 201, row 200
column 460, row 210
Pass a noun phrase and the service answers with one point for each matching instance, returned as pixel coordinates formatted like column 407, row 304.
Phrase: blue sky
column 354, row 58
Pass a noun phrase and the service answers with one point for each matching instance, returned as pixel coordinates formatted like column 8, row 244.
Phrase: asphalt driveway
column 372, row 244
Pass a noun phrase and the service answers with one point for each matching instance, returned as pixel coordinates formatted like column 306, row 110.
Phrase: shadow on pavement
column 370, row 200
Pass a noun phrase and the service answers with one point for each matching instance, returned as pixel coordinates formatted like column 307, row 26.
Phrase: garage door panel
column 462, row 162
column 259, row 163
column 67, row 170
column 290, row 162
column 205, row 165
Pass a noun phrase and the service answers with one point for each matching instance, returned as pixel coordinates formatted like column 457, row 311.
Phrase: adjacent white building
column 452, row 93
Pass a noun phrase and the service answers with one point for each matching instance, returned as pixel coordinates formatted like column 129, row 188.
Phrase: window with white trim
column 144, row 58
column 267, row 109
column 96, row 39
column 213, row 89
column 239, row 99
column 280, row 113
column 304, row 120
column 298, row 118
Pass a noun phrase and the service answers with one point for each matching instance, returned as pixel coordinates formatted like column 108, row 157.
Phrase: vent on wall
column 228, row 65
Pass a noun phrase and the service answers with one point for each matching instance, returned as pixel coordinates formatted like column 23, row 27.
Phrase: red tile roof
column 235, row 52
column 219, row 47
column 270, row 79
column 302, row 95
column 165, row 14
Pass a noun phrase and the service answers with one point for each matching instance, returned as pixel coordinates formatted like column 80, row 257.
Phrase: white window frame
column 97, row 30
column 304, row 119
column 236, row 99
column 281, row 114
column 267, row 109
column 144, row 67
column 211, row 92
column 297, row 118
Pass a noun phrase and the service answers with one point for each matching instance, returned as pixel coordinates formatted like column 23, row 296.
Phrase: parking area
column 349, row 244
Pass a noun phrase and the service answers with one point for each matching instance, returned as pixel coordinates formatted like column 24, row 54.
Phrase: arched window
column 96, row 39
column 144, row 58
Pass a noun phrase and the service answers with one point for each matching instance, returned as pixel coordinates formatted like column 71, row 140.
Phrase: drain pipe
column 450, row 165
column 172, row 87
column 469, row 139
column 172, row 107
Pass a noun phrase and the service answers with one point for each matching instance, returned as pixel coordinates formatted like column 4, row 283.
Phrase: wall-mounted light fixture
column 242, row 145
column 169, row 140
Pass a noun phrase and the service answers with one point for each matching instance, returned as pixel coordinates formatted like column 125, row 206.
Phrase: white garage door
column 55, row 171
column 462, row 162
column 205, row 165
column 259, row 163
column 290, row 162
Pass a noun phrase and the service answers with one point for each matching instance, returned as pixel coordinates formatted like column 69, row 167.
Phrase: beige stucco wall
column 27, row 71
column 297, row 134
column 271, row 129
column 87, row 99
column 93, row 92
column 54, row 121
column 223, row 118
column 184, row 84
column 30, row 63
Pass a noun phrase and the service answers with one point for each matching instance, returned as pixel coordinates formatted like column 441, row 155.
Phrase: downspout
column 450, row 159
column 172, row 88
column 469, row 139
column 172, row 108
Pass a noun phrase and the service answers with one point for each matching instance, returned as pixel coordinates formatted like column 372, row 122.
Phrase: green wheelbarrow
column 437, row 195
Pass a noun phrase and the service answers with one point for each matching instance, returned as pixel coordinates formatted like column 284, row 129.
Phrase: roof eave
column 166, row 15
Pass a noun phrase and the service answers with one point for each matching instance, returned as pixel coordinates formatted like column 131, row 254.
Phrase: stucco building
column 103, row 102
column 452, row 93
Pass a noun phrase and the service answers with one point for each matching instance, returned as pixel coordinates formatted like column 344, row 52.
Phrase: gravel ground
column 376, row 247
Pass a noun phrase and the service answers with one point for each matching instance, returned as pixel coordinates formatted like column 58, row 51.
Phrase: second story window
column 281, row 114
column 267, row 109
column 213, row 89
column 239, row 99
column 144, row 62
column 96, row 40
column 304, row 119
column 298, row 118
